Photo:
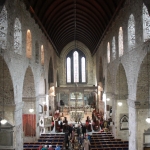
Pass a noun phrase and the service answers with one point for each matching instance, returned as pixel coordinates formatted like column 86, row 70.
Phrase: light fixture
column 148, row 118
column 31, row 110
column 108, row 99
column 3, row 121
column 120, row 103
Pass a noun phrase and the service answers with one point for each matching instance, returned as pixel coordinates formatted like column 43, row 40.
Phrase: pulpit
column 45, row 124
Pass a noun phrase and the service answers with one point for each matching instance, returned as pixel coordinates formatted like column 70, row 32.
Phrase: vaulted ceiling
column 57, row 18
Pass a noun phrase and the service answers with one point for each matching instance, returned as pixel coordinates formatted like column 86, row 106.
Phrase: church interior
column 67, row 64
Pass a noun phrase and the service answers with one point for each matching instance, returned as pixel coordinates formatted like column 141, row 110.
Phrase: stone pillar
column 114, row 112
column 18, row 130
column 132, row 125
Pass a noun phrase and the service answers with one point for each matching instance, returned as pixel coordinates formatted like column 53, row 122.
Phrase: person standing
column 83, row 130
column 86, row 143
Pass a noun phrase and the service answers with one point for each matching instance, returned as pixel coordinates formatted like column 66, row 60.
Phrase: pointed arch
column 113, row 48
column 120, row 41
column 131, row 32
column 108, row 52
column 6, row 91
column 17, row 37
column 142, row 91
column 29, row 99
column 121, row 83
column 3, row 28
column 29, row 44
column 146, row 24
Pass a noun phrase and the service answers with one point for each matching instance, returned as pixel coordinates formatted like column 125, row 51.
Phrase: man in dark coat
column 83, row 130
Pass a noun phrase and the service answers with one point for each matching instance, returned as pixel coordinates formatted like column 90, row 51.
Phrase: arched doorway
column 29, row 99
column 121, row 104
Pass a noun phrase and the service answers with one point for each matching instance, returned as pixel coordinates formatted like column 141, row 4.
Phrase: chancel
column 75, row 73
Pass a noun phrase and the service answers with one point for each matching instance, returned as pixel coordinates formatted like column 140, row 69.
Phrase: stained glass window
column 68, row 70
column 83, row 69
column 3, row 28
column 76, row 66
column 42, row 55
column 146, row 24
column 120, row 41
column 108, row 52
column 113, row 49
column 131, row 32
column 17, row 36
column 28, row 44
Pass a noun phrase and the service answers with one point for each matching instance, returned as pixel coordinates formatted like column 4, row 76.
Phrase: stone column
column 18, row 130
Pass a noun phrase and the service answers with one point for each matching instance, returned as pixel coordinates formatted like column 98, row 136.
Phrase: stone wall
column 18, row 63
column 131, row 61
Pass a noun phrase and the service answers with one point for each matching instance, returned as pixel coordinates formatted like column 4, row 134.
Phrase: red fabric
column 40, row 147
column 29, row 124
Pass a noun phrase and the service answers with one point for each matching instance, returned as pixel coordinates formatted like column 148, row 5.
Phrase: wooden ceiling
column 57, row 18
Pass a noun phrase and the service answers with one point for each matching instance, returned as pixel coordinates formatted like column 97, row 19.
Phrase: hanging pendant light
column 148, row 118
column 3, row 121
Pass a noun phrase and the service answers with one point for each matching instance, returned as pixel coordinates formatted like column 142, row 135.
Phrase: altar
column 79, row 114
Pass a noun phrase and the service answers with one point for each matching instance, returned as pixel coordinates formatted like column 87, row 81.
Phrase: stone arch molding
column 3, row 28
column 70, row 46
column 121, row 83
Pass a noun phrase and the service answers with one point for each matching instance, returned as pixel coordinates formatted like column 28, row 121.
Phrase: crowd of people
column 77, row 133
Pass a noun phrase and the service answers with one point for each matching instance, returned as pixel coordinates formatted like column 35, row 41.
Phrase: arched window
column 108, row 52
column 28, row 44
column 120, row 41
column 76, row 67
column 42, row 55
column 113, row 49
column 68, row 70
column 131, row 32
column 83, row 69
column 146, row 24
column 3, row 28
column 17, row 36
column 36, row 52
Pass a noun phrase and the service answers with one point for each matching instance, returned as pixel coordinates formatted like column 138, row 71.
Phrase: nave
column 97, row 129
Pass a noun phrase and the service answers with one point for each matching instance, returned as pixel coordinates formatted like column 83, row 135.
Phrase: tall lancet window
column 28, row 44
column 17, row 36
column 108, row 52
column 131, row 32
column 3, row 28
column 146, row 24
column 113, row 49
column 76, row 66
column 68, row 70
column 83, row 69
column 120, row 41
